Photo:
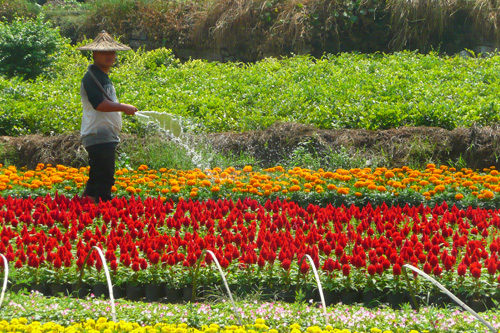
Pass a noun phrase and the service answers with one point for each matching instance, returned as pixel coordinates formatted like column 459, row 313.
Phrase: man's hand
column 129, row 109
column 108, row 106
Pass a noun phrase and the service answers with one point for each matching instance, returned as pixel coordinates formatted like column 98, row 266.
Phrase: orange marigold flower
column 215, row 189
column 130, row 190
column 294, row 188
column 459, row 196
column 331, row 187
column 389, row 174
column 113, row 188
column 439, row 188
column 247, row 168
column 142, row 167
column 488, row 194
column 358, row 194
column 175, row 189
column 381, row 188
column 343, row 190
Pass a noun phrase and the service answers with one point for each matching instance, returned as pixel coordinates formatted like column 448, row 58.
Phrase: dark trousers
column 102, row 171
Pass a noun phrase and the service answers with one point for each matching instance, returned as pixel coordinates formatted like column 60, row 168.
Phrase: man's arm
column 109, row 106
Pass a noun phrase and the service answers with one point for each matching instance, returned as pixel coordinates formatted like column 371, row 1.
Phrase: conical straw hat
column 104, row 42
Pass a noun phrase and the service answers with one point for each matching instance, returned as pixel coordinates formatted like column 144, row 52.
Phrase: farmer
column 102, row 119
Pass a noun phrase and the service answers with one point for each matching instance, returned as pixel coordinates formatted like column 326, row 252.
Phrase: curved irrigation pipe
column 5, row 278
column 447, row 292
column 318, row 282
column 108, row 278
column 193, row 295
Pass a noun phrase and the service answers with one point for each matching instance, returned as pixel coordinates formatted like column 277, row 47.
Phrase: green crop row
column 376, row 91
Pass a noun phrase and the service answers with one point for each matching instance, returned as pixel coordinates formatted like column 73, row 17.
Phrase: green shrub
column 28, row 47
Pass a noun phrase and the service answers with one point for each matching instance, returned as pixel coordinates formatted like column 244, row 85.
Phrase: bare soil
column 475, row 147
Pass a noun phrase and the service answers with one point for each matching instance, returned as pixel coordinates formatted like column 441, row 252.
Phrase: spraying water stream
column 172, row 126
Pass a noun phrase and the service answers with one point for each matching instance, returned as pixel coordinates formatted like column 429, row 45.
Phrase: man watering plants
column 102, row 119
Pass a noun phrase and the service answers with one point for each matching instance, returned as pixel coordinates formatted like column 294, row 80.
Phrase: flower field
column 72, row 315
column 432, row 185
column 360, row 226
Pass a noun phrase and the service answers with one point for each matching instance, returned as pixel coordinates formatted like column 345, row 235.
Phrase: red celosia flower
column 328, row 265
column 396, row 269
column 286, row 264
column 304, row 268
column 372, row 269
column 346, row 269
column 136, row 266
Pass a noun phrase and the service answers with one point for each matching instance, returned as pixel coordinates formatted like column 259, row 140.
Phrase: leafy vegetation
column 376, row 91
column 28, row 48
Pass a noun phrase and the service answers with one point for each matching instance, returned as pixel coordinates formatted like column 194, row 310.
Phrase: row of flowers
column 156, row 241
column 37, row 311
column 432, row 185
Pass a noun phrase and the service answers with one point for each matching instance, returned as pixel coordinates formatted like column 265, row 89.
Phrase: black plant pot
column 154, row 292
column 119, row 292
column 289, row 296
column 438, row 299
column 100, row 290
column 135, row 292
column 19, row 287
column 41, row 288
column 80, row 290
column 395, row 300
column 371, row 298
column 331, row 297
column 172, row 295
column 350, row 297
column 60, row 289
column 477, row 304
column 187, row 293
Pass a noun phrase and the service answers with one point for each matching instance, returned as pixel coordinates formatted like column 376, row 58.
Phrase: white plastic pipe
column 5, row 278
column 223, row 278
column 108, row 278
column 318, row 282
column 453, row 297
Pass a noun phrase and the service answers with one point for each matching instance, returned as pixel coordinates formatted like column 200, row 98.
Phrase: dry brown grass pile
column 476, row 147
